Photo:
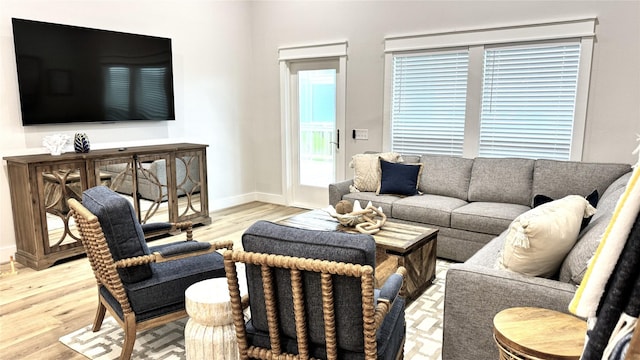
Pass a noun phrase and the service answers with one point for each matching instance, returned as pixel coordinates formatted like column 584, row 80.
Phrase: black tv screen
column 76, row 74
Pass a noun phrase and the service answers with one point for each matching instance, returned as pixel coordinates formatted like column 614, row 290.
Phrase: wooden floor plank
column 38, row 307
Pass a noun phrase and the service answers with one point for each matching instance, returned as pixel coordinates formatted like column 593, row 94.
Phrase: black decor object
column 81, row 143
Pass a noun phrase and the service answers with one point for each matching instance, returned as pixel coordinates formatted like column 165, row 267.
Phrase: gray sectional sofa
column 472, row 202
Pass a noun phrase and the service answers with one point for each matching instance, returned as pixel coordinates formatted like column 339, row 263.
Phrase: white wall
column 211, row 53
column 227, row 81
column 614, row 112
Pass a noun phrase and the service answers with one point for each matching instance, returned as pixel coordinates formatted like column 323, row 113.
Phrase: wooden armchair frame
column 106, row 274
column 373, row 314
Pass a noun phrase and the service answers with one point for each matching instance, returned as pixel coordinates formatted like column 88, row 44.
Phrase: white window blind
column 528, row 101
column 428, row 102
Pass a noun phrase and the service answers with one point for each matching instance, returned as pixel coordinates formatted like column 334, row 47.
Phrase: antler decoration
column 367, row 221
column 371, row 225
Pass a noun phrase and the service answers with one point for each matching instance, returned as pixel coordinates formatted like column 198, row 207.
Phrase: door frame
column 288, row 56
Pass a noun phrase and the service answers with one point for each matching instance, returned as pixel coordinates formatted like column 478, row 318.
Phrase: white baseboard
column 5, row 252
column 271, row 198
column 219, row 204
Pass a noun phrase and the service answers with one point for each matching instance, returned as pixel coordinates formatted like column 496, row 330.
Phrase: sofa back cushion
column 619, row 183
column 557, row 179
column 575, row 264
column 506, row 180
column 445, row 175
column 410, row 159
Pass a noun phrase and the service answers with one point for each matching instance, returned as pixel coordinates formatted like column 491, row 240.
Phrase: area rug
column 165, row 342
column 423, row 316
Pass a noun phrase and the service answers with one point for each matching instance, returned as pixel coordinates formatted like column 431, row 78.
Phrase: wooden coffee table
column 397, row 244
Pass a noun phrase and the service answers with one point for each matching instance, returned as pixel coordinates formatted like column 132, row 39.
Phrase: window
column 513, row 91
column 528, row 101
column 428, row 103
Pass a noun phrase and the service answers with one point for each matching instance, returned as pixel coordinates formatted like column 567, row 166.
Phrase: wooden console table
column 41, row 184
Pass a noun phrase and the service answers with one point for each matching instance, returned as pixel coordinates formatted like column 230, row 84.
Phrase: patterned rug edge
column 165, row 342
column 424, row 319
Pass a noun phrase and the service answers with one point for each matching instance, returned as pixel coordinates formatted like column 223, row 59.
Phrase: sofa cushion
column 379, row 201
column 505, row 180
column 538, row 240
column 621, row 182
column 486, row 217
column 445, row 175
column 558, row 179
column 488, row 255
column 366, row 168
column 399, row 179
column 427, row 209
column 410, row 159
column 575, row 264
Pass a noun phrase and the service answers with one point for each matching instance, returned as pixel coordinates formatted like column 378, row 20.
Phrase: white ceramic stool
column 209, row 333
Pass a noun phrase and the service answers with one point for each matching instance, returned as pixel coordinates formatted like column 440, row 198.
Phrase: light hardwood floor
column 37, row 307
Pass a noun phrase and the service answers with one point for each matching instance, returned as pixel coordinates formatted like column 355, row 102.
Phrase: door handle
column 337, row 142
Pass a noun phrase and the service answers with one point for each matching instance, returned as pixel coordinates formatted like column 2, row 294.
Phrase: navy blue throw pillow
column 399, row 179
column 591, row 198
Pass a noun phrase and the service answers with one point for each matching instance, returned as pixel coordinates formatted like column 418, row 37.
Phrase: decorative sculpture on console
column 55, row 143
column 81, row 143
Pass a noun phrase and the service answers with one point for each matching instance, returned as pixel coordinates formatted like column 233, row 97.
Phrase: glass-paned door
column 315, row 125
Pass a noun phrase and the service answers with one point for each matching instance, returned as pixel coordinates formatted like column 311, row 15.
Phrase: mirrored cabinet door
column 59, row 183
column 145, row 187
column 152, row 188
column 190, row 172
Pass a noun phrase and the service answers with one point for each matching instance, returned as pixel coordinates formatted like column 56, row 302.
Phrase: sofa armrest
column 475, row 294
column 338, row 190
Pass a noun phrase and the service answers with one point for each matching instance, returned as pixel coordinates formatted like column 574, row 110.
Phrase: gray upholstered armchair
column 311, row 293
column 141, row 287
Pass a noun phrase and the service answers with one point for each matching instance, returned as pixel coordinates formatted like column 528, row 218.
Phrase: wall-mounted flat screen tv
column 76, row 74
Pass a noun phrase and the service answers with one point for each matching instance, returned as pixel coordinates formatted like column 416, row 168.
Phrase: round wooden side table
column 535, row 333
column 209, row 333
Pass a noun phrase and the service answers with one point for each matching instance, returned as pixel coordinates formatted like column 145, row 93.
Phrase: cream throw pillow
column 538, row 240
column 367, row 169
